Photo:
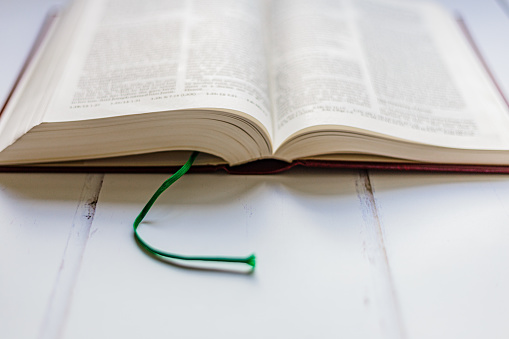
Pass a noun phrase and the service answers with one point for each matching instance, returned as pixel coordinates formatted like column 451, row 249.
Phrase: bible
column 365, row 83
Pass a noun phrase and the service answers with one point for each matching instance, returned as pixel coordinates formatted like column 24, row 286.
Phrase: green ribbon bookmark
column 250, row 260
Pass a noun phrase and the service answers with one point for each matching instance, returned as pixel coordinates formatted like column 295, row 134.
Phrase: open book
column 242, row 80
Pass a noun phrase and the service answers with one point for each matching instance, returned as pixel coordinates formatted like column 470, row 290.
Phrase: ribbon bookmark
column 250, row 260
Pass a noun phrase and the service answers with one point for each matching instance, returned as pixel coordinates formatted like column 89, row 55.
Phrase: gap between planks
column 390, row 318
column 61, row 296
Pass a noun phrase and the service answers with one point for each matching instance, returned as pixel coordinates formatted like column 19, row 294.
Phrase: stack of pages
column 334, row 83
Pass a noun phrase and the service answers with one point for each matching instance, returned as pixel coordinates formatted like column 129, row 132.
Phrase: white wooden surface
column 340, row 254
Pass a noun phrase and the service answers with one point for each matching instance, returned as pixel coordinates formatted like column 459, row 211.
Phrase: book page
column 391, row 68
column 157, row 55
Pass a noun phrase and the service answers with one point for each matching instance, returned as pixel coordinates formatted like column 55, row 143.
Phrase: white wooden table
column 341, row 254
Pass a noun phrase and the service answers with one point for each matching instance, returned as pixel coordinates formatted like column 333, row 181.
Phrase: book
column 364, row 84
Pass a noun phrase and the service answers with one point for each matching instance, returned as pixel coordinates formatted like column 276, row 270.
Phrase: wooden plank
column 314, row 276
column 38, row 211
column 446, row 240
